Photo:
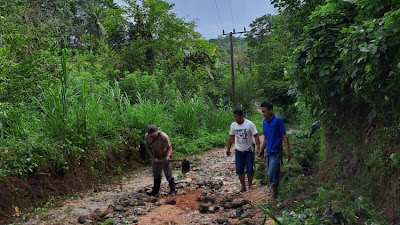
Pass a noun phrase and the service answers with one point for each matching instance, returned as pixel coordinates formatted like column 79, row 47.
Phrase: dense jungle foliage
column 81, row 80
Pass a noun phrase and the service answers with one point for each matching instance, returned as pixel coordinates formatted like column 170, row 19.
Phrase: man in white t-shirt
column 242, row 133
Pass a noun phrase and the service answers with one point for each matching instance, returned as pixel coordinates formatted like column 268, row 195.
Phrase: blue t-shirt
column 273, row 131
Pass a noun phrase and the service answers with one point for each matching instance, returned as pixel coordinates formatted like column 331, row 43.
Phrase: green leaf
column 363, row 49
column 395, row 161
column 374, row 49
column 270, row 214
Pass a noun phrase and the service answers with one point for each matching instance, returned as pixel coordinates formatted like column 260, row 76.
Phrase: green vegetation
column 339, row 62
column 116, row 76
column 304, row 199
column 81, row 80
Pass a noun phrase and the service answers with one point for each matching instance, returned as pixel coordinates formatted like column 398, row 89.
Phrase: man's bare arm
column 263, row 145
column 257, row 139
column 169, row 153
column 287, row 144
column 150, row 153
column 230, row 142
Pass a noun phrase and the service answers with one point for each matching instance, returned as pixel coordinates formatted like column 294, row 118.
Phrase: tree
column 116, row 26
column 94, row 25
column 269, row 50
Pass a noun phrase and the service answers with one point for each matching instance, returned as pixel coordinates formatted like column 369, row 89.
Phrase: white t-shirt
column 243, row 134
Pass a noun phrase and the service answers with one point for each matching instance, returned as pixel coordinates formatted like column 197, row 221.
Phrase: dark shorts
column 274, row 167
column 244, row 160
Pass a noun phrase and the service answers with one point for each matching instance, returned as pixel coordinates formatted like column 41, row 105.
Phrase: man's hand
column 261, row 155
column 287, row 144
column 155, row 160
column 168, row 158
column 258, row 152
column 230, row 142
column 288, row 156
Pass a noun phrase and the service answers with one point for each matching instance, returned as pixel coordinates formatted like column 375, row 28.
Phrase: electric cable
column 219, row 15
column 233, row 21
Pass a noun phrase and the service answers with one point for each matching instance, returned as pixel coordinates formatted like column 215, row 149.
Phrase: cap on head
column 151, row 130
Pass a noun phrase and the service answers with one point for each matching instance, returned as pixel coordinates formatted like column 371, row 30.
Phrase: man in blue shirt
column 274, row 132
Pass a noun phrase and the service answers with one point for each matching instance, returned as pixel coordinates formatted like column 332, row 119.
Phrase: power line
column 232, row 64
column 244, row 13
column 237, row 39
column 219, row 15
column 233, row 22
column 231, row 47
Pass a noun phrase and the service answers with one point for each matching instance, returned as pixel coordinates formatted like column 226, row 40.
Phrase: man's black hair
column 267, row 105
column 238, row 112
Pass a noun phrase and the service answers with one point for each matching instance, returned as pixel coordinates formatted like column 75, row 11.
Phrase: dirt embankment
column 22, row 193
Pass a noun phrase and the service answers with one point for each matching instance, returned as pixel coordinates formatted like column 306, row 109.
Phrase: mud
column 209, row 194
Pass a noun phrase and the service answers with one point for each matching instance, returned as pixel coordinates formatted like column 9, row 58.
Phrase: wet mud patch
column 186, row 201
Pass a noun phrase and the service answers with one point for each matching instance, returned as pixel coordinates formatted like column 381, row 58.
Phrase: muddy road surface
column 208, row 194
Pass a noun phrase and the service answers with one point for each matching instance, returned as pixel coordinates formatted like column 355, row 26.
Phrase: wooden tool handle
column 171, row 160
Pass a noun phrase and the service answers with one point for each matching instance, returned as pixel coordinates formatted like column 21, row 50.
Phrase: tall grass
column 218, row 119
column 56, row 104
column 188, row 115
column 139, row 116
column 80, row 112
column 77, row 115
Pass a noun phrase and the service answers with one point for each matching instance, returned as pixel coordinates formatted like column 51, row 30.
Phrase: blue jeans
column 274, row 167
column 244, row 159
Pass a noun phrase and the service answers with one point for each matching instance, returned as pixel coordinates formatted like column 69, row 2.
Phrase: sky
column 205, row 13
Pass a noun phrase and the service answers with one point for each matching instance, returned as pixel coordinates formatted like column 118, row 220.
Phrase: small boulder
column 140, row 203
column 108, row 216
column 138, row 212
column 208, row 199
column 228, row 199
column 119, row 208
column 227, row 205
column 203, row 208
column 110, row 209
column 171, row 202
column 181, row 192
column 238, row 202
column 97, row 214
column 239, row 212
column 212, row 209
column 245, row 215
column 181, row 186
column 82, row 219
column 229, row 215
column 222, row 220
column 125, row 203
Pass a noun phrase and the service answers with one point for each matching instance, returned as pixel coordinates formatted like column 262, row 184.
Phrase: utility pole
column 232, row 63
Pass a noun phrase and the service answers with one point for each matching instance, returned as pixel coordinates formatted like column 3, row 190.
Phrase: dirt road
column 206, row 195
